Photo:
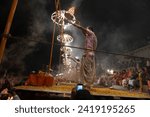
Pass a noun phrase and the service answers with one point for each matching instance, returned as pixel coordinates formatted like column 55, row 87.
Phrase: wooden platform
column 65, row 90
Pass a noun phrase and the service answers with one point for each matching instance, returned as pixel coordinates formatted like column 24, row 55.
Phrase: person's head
column 90, row 28
column 83, row 95
column 12, row 92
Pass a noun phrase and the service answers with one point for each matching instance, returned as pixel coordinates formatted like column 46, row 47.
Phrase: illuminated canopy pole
column 57, row 3
column 7, row 28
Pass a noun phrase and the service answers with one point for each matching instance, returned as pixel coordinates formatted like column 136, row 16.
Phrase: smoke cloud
column 39, row 25
column 117, row 26
column 77, row 3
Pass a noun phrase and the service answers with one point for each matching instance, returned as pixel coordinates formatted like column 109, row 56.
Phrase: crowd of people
column 132, row 78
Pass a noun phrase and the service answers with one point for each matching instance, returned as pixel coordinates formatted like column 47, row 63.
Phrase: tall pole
column 7, row 28
column 53, row 36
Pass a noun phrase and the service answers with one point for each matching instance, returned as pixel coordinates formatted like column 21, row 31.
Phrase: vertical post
column 52, row 46
column 53, row 36
column 7, row 28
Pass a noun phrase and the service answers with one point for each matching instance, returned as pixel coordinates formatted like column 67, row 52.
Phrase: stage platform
column 63, row 91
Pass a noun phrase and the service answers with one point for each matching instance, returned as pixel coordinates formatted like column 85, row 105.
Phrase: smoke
column 114, row 39
column 77, row 3
column 39, row 25
column 120, row 27
column 116, row 26
column 78, row 41
column 76, row 33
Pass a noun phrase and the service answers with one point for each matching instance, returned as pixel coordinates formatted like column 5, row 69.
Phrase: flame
column 72, row 10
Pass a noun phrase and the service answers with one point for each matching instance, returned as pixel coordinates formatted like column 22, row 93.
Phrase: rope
column 75, row 47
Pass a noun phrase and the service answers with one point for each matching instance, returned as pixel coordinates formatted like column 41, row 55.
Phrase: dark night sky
column 120, row 25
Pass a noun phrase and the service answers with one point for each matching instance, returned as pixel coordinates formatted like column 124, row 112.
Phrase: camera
column 79, row 87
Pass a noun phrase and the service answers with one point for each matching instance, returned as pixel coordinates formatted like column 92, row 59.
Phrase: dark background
column 120, row 26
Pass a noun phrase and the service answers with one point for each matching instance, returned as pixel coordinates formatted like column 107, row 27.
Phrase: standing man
column 88, row 70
